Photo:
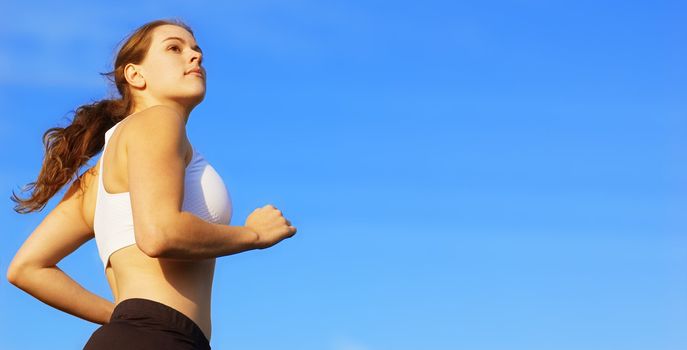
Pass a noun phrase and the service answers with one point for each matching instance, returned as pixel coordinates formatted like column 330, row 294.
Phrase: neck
column 182, row 109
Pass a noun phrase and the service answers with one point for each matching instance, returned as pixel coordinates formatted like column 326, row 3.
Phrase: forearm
column 193, row 238
column 55, row 288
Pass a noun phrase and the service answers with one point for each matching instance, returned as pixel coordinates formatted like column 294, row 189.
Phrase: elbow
column 14, row 272
column 11, row 276
column 151, row 250
column 153, row 242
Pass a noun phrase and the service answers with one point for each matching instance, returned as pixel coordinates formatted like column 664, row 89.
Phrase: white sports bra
column 205, row 195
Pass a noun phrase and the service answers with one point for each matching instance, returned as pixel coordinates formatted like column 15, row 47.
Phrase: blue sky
column 474, row 175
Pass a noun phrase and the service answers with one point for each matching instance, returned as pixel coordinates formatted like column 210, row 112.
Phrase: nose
column 197, row 56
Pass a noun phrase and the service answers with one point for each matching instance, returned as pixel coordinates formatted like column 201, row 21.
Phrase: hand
column 270, row 226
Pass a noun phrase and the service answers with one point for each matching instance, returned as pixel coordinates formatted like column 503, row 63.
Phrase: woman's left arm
column 34, row 267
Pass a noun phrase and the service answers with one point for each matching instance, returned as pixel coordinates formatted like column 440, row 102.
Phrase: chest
column 115, row 179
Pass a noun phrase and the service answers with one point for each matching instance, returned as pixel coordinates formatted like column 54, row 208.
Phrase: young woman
column 159, row 212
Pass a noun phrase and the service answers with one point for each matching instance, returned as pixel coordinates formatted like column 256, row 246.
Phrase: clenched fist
column 270, row 226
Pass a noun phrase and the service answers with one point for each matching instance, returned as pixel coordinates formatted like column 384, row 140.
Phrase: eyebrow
column 197, row 48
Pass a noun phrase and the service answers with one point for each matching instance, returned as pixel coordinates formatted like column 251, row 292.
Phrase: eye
column 174, row 47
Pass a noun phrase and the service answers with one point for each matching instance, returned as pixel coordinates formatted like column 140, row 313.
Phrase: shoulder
column 87, row 178
column 154, row 123
column 73, row 199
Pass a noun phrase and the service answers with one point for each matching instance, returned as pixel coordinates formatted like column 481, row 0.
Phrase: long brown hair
column 67, row 149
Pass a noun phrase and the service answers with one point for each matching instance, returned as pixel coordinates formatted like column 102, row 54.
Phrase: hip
column 139, row 323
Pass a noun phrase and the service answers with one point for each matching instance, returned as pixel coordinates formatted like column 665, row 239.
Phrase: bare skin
column 173, row 259
column 182, row 284
column 185, row 285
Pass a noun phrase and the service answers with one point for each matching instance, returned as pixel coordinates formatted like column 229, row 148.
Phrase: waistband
column 153, row 314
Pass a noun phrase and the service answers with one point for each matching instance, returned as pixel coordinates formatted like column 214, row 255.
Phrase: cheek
column 161, row 75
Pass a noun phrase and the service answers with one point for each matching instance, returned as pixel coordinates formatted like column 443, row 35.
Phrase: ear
column 132, row 74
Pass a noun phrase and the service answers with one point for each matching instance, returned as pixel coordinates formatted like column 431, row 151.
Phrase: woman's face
column 167, row 67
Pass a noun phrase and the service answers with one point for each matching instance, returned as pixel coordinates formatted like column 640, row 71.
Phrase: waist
column 153, row 314
column 199, row 314
column 183, row 285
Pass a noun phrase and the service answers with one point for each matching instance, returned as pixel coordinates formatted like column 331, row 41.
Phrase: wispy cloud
column 346, row 343
column 51, row 45
column 68, row 44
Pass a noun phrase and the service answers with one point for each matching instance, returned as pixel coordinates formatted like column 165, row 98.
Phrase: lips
column 195, row 70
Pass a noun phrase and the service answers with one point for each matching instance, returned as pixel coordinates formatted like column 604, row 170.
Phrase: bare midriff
column 185, row 285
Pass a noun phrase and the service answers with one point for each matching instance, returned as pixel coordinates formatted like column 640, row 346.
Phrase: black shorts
column 139, row 323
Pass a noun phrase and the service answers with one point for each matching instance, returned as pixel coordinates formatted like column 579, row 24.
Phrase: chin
column 200, row 96
column 194, row 97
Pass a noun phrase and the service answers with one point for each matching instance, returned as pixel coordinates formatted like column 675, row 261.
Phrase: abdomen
column 185, row 285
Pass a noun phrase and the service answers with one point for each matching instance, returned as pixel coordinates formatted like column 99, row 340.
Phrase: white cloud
column 346, row 343
column 51, row 44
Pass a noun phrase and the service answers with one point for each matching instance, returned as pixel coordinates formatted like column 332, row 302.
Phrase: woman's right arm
column 156, row 150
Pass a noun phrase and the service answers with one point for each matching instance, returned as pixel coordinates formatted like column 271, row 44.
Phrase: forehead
column 167, row 30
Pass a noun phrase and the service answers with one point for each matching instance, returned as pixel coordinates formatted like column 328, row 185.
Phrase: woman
column 158, row 211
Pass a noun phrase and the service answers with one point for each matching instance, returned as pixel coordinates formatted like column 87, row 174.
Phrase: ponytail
column 67, row 149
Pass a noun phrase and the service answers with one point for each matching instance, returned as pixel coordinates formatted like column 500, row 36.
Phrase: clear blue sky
column 472, row 175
